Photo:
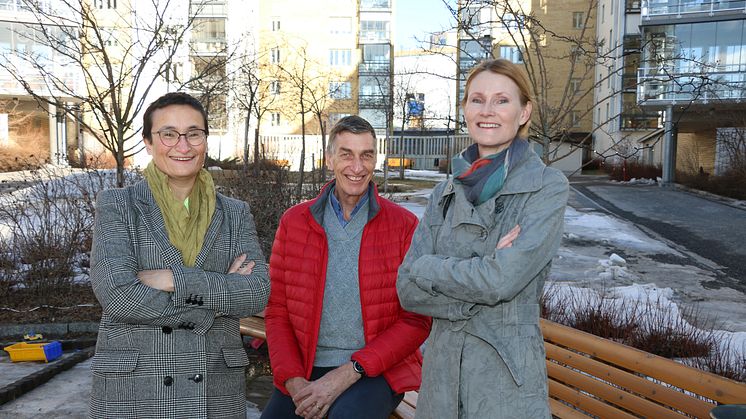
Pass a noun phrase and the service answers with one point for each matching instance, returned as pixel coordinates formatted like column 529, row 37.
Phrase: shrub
column 731, row 184
column 632, row 169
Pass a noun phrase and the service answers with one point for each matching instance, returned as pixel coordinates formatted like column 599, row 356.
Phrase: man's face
column 352, row 162
column 181, row 161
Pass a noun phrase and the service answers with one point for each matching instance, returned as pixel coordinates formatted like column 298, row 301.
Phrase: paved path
column 711, row 231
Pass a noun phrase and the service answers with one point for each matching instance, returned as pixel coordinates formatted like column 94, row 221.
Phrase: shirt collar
column 337, row 207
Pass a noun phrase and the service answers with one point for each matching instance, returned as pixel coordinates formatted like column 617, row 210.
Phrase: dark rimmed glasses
column 170, row 137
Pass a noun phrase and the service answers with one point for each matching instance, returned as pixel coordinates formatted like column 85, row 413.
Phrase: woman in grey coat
column 174, row 265
column 479, row 258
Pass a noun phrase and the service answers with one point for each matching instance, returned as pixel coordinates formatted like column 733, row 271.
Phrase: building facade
column 694, row 71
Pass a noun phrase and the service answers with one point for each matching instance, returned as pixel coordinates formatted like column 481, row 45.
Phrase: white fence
column 424, row 152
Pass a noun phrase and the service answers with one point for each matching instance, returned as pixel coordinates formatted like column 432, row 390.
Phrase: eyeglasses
column 170, row 137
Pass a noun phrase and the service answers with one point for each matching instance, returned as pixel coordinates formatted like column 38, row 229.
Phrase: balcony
column 374, row 67
column 375, row 4
column 664, row 86
column 676, row 9
column 373, row 101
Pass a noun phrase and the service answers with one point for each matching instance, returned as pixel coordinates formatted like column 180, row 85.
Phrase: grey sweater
column 341, row 328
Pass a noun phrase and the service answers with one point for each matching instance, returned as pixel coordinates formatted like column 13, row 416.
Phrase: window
column 575, row 119
column 377, row 30
column 274, row 87
column 274, row 57
column 340, row 25
column 105, row 4
column 208, row 30
column 275, row 119
column 340, row 57
column 511, row 53
column 335, row 117
column 340, row 90
column 578, row 20
column 275, row 24
column 575, row 86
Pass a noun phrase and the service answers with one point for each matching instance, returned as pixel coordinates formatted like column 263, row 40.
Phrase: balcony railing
column 375, row 4
column 373, row 101
column 666, row 85
column 374, row 67
column 679, row 8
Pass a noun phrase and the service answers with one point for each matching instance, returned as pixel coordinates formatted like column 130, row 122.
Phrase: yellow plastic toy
column 23, row 351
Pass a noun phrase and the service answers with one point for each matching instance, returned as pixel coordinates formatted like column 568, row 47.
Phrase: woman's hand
column 314, row 400
column 507, row 240
column 241, row 270
column 160, row 279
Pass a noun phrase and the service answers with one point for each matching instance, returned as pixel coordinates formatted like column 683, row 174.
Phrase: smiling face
column 493, row 111
column 181, row 162
column 353, row 162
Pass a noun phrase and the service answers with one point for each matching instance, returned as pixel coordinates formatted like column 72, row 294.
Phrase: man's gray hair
column 353, row 124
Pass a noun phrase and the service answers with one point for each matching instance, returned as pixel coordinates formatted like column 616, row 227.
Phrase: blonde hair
column 512, row 71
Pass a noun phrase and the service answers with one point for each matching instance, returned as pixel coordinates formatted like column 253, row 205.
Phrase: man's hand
column 242, row 270
column 507, row 240
column 315, row 399
column 160, row 279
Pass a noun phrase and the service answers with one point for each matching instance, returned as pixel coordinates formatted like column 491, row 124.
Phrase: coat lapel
column 153, row 219
column 212, row 232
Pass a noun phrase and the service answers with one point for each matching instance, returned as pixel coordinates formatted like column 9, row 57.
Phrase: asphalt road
column 710, row 231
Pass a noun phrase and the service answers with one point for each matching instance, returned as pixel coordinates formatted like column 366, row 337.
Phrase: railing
column 672, row 85
column 678, row 8
column 378, row 67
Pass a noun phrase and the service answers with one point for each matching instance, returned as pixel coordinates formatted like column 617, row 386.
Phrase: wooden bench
column 594, row 377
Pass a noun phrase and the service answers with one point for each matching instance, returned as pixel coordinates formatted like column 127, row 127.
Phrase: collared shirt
column 338, row 207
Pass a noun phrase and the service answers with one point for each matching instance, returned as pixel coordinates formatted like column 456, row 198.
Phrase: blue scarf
column 483, row 178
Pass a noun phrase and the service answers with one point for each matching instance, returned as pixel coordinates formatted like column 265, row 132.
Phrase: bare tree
column 99, row 66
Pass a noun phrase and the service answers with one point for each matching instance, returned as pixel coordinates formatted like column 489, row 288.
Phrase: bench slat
column 696, row 381
column 610, row 394
column 586, row 403
column 563, row 411
column 639, row 385
column 253, row 326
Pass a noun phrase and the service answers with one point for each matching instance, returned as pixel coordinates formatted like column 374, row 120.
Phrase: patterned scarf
column 186, row 227
column 483, row 178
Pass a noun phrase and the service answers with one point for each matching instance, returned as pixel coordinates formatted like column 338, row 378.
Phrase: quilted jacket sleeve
column 284, row 349
column 404, row 336
column 412, row 296
column 501, row 275
column 114, row 268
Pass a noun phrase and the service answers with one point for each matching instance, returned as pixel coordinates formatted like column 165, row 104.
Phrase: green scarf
column 186, row 227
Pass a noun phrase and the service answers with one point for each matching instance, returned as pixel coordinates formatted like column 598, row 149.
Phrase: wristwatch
column 358, row 368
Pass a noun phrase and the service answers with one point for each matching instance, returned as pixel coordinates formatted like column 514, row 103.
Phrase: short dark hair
column 173, row 98
column 353, row 124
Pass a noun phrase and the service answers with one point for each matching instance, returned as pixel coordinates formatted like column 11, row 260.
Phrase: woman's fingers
column 236, row 265
column 507, row 240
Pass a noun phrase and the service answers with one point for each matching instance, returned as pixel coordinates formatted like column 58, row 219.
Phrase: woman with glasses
column 174, row 265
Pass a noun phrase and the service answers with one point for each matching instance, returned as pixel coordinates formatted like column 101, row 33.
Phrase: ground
column 76, row 303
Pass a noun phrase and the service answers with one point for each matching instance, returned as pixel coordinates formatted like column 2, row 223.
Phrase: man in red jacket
column 340, row 344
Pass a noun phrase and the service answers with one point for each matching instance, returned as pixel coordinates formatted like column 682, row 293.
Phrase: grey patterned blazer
column 162, row 354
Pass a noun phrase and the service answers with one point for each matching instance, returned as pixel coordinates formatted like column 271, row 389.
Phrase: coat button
column 197, row 378
column 167, row 330
column 168, row 380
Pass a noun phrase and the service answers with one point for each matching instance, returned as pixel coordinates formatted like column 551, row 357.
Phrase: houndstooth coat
column 162, row 354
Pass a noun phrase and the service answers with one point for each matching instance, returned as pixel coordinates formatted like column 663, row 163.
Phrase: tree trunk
column 257, row 158
column 246, row 142
column 302, row 166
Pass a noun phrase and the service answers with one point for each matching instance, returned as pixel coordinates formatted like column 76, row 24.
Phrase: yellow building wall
column 305, row 36
column 695, row 150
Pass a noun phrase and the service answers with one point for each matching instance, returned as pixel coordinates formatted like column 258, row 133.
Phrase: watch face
column 358, row 368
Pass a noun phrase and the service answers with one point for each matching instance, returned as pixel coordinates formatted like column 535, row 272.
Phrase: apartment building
column 332, row 56
column 26, row 127
column 694, row 71
column 553, row 40
column 624, row 129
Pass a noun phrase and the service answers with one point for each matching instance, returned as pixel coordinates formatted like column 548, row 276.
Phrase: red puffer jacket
column 298, row 273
